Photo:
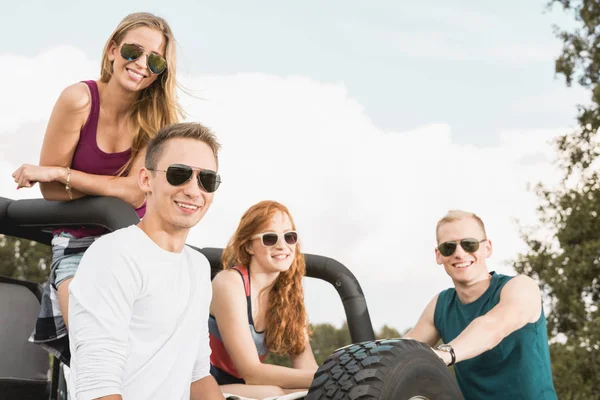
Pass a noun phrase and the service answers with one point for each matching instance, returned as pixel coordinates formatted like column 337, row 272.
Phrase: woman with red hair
column 258, row 306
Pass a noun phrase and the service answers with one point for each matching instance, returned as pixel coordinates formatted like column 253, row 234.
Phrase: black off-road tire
column 391, row 369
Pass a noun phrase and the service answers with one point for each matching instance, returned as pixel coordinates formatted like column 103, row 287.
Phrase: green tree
column 24, row 259
column 580, row 62
column 564, row 248
column 387, row 332
column 326, row 339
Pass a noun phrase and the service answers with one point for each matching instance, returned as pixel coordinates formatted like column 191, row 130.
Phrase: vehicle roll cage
column 34, row 219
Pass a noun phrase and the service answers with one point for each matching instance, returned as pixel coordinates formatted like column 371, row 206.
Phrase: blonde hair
column 286, row 318
column 181, row 130
column 458, row 215
column 157, row 105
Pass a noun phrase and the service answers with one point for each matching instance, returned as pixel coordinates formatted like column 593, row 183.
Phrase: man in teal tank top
column 492, row 325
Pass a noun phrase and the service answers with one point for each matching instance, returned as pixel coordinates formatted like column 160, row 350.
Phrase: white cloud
column 367, row 198
column 35, row 83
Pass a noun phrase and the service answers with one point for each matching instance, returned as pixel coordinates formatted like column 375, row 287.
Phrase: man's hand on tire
column 444, row 356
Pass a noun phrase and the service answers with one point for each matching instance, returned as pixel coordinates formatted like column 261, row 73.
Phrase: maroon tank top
column 89, row 158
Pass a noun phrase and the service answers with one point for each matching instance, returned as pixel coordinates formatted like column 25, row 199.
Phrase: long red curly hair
column 286, row 318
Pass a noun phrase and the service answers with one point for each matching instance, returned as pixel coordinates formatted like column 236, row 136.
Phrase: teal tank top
column 517, row 369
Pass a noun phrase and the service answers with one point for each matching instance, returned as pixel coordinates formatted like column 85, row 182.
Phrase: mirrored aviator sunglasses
column 270, row 239
column 469, row 245
column 179, row 174
column 155, row 62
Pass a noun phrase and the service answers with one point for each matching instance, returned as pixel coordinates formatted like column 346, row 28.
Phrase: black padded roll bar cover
column 4, row 203
column 29, row 217
column 334, row 272
column 349, row 290
column 107, row 212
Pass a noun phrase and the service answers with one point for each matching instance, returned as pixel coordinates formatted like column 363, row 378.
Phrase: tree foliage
column 580, row 62
column 326, row 339
column 566, row 262
column 24, row 259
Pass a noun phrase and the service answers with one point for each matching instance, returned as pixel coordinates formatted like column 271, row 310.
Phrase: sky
column 369, row 120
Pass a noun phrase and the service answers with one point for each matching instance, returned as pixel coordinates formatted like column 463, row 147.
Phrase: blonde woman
column 95, row 144
column 258, row 306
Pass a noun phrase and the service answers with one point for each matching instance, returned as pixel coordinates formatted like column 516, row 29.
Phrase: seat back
column 24, row 366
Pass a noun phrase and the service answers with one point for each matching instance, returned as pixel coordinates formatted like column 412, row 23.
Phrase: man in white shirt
column 138, row 305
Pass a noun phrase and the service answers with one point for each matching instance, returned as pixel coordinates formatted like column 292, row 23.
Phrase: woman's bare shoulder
column 227, row 278
column 75, row 97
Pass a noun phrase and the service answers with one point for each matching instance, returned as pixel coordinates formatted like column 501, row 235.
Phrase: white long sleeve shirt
column 125, row 304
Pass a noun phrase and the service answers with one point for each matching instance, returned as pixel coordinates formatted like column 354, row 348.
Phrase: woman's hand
column 28, row 175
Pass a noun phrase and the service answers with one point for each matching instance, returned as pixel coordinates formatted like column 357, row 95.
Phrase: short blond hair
column 181, row 130
column 458, row 215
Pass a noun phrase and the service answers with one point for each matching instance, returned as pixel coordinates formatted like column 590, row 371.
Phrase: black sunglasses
column 469, row 245
column 270, row 239
column 155, row 62
column 178, row 174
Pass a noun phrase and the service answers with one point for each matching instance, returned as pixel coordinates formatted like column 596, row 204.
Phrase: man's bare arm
column 520, row 304
column 424, row 331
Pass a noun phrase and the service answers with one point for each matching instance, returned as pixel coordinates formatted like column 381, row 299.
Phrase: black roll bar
column 35, row 219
